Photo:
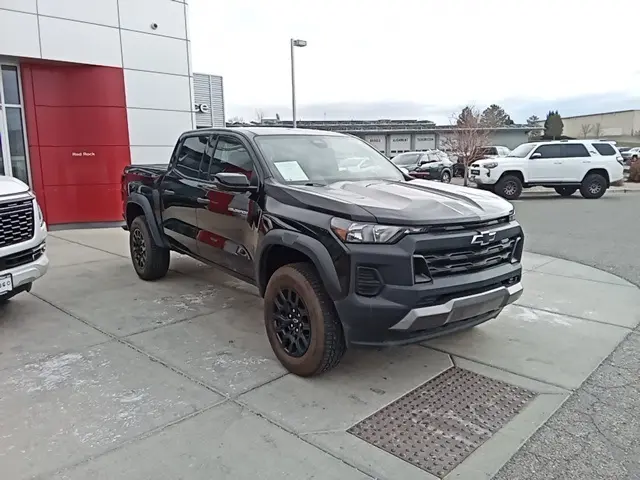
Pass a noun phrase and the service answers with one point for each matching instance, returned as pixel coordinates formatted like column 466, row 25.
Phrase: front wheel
column 593, row 186
column 302, row 324
column 445, row 177
column 150, row 261
column 509, row 187
column 566, row 191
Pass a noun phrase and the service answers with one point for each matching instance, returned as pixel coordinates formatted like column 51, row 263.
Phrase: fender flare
column 311, row 247
column 152, row 222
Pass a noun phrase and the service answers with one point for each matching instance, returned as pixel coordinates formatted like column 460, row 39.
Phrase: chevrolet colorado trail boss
column 23, row 234
column 341, row 256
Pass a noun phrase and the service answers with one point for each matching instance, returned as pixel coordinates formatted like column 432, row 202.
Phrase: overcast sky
column 419, row 58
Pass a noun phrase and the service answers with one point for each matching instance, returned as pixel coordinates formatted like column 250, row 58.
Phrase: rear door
column 576, row 162
column 228, row 221
column 179, row 191
column 545, row 163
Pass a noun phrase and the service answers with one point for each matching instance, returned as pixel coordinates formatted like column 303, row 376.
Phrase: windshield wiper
column 315, row 184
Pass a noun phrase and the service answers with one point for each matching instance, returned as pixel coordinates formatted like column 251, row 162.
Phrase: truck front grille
column 470, row 259
column 16, row 222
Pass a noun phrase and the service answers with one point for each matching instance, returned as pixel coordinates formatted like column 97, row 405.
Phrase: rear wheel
column 302, row 324
column 509, row 187
column 150, row 261
column 593, row 186
column 566, row 191
column 445, row 177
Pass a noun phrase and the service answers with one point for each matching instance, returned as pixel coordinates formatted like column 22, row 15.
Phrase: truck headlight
column 354, row 232
column 490, row 165
column 40, row 215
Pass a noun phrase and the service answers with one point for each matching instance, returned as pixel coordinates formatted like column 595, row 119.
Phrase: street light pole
column 294, row 43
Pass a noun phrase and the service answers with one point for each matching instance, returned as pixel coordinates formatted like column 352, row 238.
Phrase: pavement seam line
column 603, row 282
column 518, row 304
column 130, row 345
column 570, row 390
column 137, row 438
column 89, row 246
column 300, row 436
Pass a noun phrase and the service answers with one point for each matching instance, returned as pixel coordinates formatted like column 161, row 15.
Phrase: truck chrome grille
column 470, row 259
column 16, row 222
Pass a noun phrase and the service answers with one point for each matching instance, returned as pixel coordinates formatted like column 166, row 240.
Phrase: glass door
column 13, row 148
column 4, row 145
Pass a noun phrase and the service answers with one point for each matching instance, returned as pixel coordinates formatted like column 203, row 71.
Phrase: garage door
column 379, row 142
column 425, row 142
column 399, row 144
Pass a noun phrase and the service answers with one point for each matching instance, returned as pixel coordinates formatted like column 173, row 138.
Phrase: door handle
column 204, row 201
column 169, row 192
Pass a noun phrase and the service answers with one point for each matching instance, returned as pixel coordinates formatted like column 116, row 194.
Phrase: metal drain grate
column 440, row 423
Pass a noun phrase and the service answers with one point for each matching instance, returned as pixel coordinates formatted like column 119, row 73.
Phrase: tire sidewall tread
column 499, row 188
column 327, row 337
column 158, row 258
column 588, row 180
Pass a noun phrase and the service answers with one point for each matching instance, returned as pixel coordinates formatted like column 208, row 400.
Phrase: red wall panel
column 84, row 203
column 83, row 166
column 78, row 137
column 69, row 126
column 79, row 86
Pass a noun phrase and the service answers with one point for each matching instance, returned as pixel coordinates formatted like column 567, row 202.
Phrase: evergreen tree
column 495, row 116
column 553, row 125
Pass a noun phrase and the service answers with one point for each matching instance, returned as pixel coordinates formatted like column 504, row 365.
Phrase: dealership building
column 392, row 137
column 88, row 87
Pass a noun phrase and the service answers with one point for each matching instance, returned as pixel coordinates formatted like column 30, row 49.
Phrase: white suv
column 23, row 234
column 565, row 165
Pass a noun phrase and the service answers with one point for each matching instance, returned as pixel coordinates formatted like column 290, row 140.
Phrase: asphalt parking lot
column 105, row 376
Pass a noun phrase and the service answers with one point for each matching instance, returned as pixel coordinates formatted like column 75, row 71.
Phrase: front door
column 228, row 221
column 180, row 190
column 545, row 164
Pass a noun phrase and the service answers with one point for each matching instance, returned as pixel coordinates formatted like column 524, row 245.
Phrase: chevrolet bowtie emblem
column 483, row 239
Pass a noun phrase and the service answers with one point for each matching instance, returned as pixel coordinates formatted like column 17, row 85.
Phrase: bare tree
column 259, row 115
column 585, row 129
column 597, row 130
column 467, row 137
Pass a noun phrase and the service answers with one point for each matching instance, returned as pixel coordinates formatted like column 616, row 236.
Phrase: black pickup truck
column 343, row 252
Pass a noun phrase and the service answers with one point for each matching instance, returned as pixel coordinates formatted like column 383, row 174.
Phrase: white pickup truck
column 23, row 233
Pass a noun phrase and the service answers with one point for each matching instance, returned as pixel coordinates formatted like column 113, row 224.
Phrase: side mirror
column 233, row 182
column 535, row 155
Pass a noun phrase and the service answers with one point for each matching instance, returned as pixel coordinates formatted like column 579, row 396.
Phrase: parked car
column 23, row 233
column 566, row 166
column 631, row 155
column 430, row 165
column 341, row 257
column 492, row 151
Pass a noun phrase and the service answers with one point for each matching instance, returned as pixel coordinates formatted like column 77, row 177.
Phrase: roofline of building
column 373, row 128
column 602, row 113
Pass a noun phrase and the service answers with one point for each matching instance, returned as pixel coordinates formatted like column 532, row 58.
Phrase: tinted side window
column 549, row 151
column 575, row 150
column 207, row 157
column 190, row 154
column 604, row 149
column 231, row 156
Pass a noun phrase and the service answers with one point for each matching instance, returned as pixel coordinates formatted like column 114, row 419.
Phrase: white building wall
column 147, row 38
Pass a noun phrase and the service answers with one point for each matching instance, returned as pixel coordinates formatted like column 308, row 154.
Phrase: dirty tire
column 155, row 259
column 326, row 345
column 566, row 191
column 445, row 177
column 593, row 186
column 509, row 187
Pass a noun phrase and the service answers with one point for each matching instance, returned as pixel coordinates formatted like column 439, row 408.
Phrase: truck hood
column 416, row 202
column 11, row 186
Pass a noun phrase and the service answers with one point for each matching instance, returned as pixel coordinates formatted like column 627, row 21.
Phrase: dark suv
column 430, row 165
column 344, row 252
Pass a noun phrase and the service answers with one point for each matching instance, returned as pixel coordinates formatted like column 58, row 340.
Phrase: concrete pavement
column 105, row 376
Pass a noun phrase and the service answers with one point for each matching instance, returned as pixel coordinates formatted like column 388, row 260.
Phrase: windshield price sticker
column 291, row 171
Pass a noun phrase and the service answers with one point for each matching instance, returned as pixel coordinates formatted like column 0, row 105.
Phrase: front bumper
column 24, row 275
column 407, row 310
column 482, row 176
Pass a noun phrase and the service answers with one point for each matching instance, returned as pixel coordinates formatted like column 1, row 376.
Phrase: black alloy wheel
column 291, row 322
column 138, row 249
column 445, row 177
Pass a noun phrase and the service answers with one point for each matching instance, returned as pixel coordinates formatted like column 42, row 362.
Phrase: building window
column 13, row 151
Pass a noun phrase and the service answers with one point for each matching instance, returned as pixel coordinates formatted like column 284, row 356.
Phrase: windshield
column 324, row 159
column 406, row 159
column 522, row 150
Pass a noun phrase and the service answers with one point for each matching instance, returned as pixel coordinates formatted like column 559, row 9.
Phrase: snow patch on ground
column 528, row 315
